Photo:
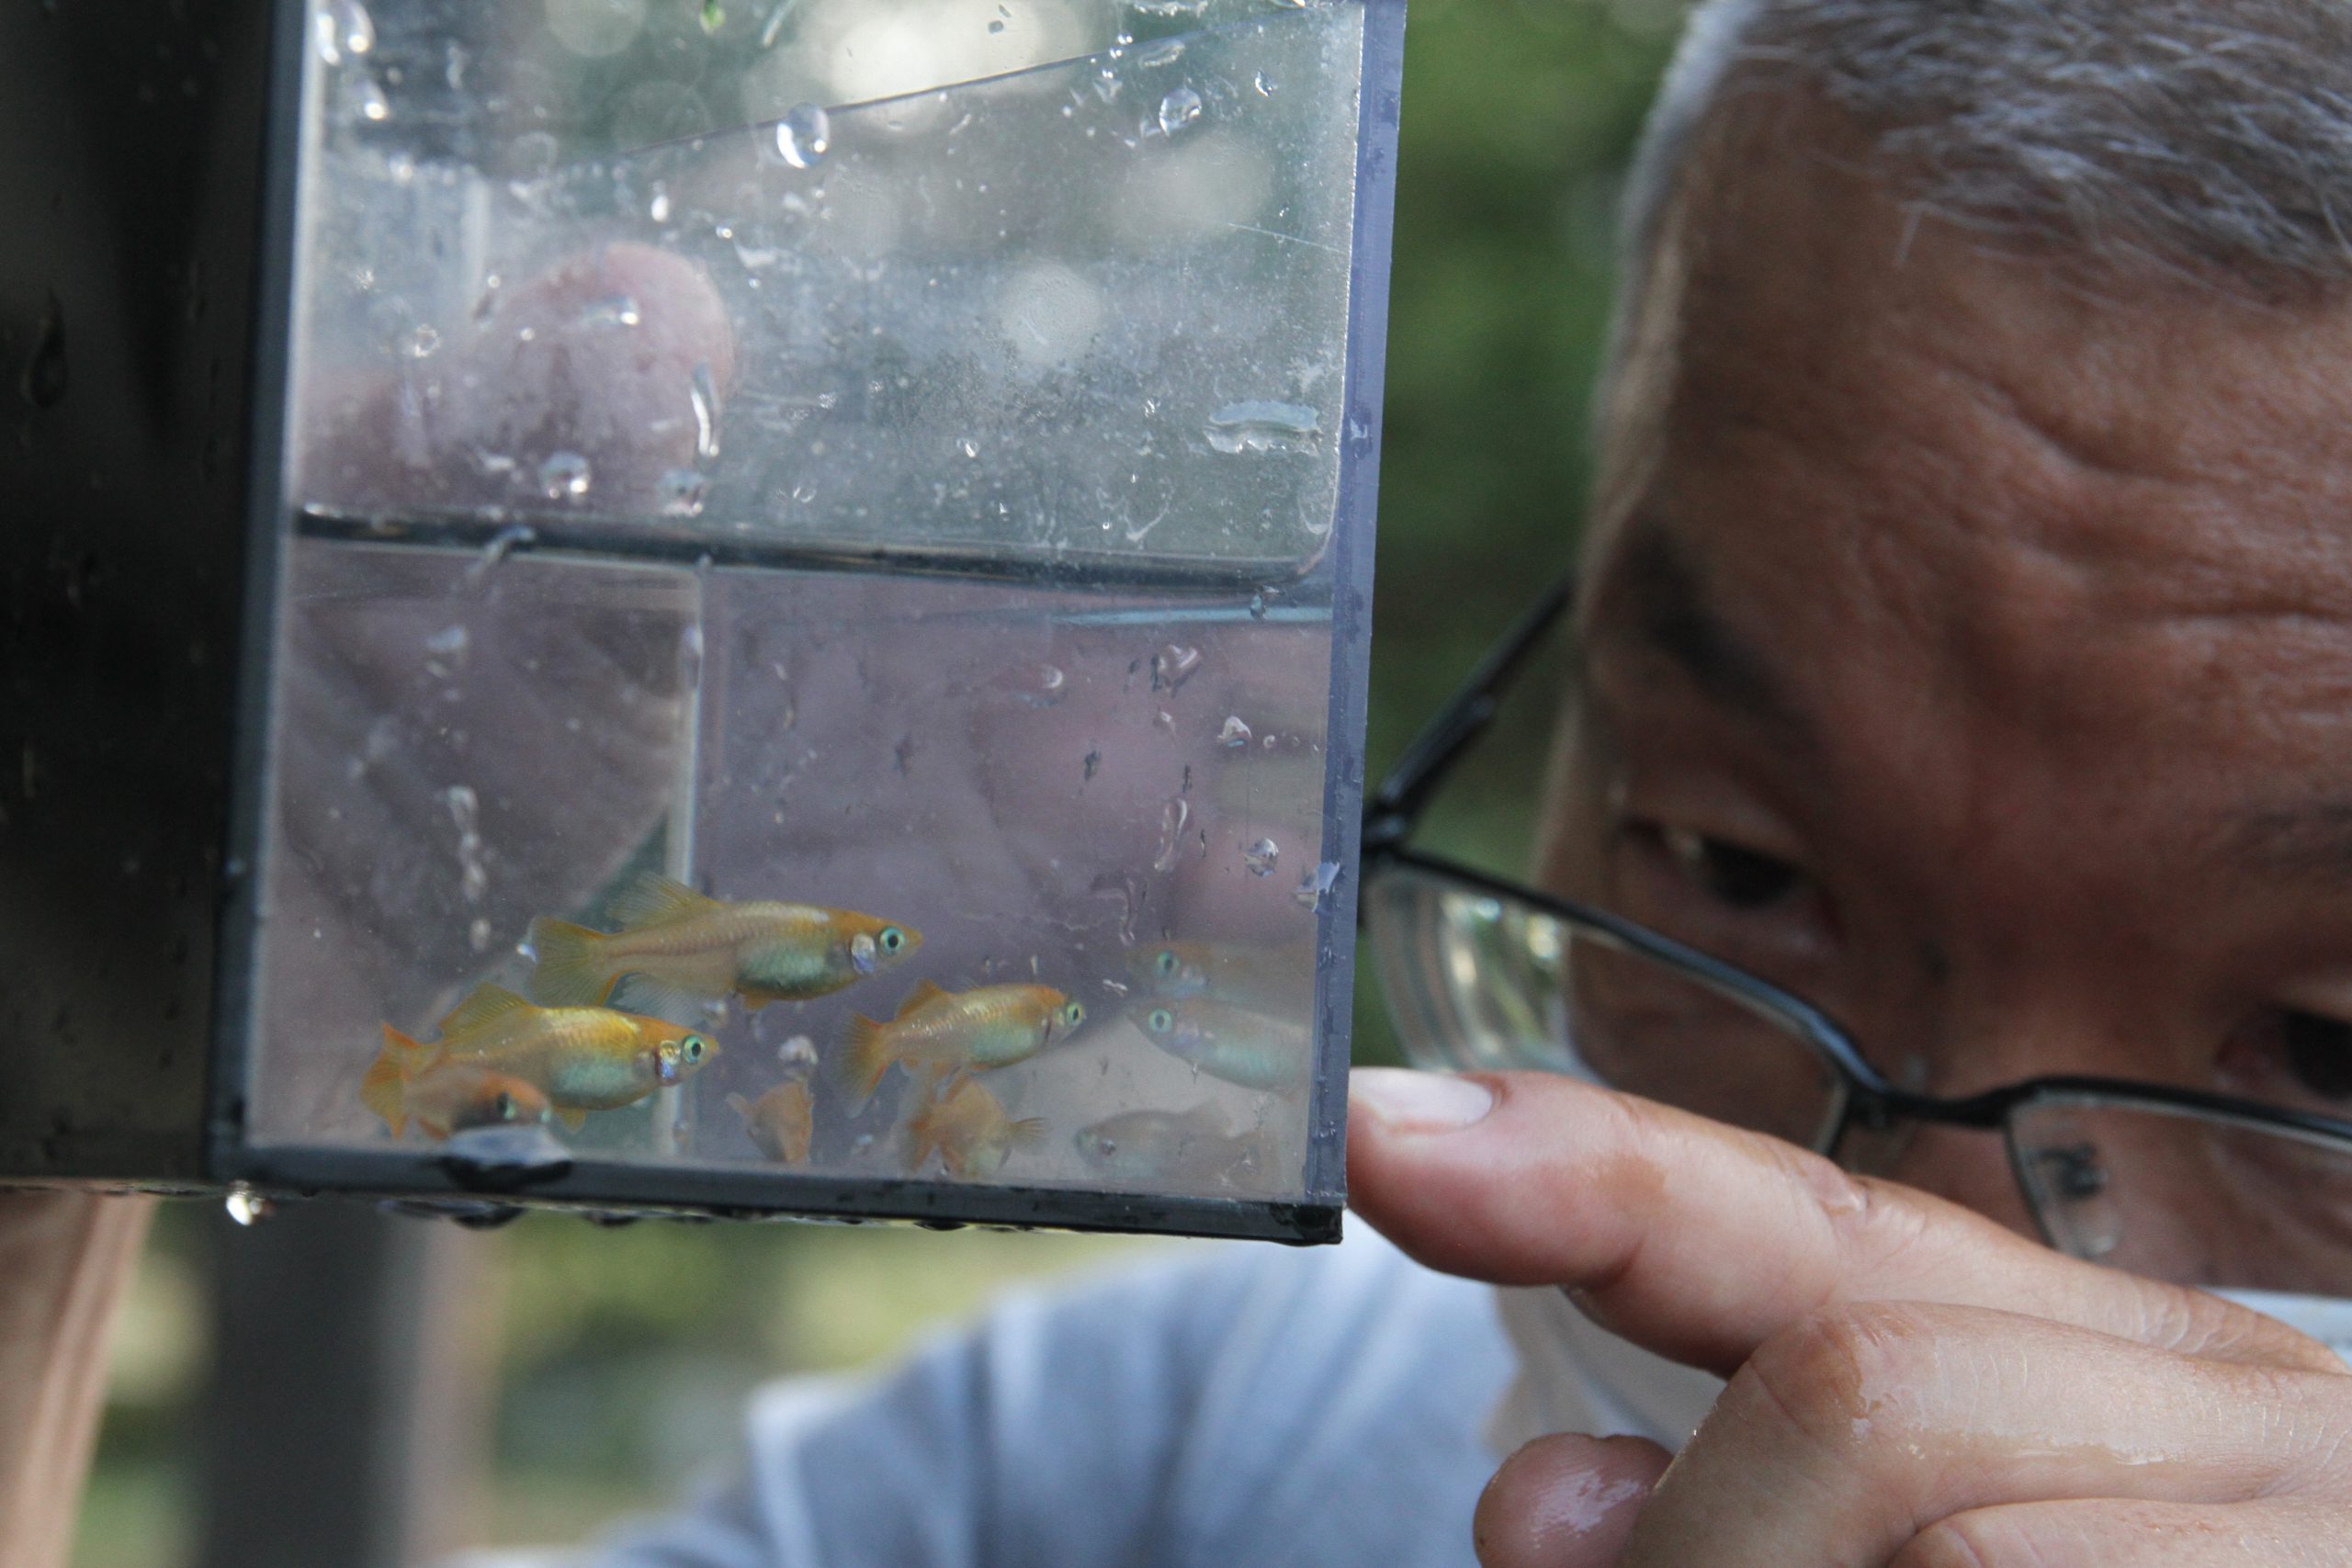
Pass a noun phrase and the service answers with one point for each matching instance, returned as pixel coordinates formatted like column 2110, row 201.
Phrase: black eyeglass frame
column 1869, row 1100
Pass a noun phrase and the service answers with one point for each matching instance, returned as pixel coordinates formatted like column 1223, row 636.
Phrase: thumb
column 1565, row 1502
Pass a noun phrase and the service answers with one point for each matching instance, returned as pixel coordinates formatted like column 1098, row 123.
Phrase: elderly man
column 1963, row 647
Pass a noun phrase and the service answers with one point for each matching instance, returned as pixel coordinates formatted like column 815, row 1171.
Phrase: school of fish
column 501, row 1059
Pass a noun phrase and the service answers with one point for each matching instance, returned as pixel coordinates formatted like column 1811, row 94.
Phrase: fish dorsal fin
column 923, row 996
column 654, row 899
column 486, row 1005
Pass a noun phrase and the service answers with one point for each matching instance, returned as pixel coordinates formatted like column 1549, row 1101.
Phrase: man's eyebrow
column 1661, row 596
column 2312, row 841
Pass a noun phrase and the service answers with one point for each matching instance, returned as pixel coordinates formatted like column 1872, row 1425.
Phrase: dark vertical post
column 326, row 1350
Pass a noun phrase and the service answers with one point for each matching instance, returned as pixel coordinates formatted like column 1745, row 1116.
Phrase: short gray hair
column 2210, row 140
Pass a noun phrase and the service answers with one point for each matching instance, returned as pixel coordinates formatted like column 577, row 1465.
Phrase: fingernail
column 1419, row 1102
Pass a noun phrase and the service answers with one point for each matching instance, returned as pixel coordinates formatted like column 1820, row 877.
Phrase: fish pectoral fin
column 571, row 1119
column 484, row 1005
column 655, row 994
column 926, row 993
column 654, row 899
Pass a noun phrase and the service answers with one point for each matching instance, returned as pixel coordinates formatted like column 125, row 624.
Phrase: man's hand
column 1911, row 1384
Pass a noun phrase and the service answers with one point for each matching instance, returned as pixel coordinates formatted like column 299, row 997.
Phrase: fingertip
column 1566, row 1501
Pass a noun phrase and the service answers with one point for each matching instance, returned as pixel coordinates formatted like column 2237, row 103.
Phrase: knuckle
column 1963, row 1542
column 1829, row 1376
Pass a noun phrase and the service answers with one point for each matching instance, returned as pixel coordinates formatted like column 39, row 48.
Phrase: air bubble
column 1180, row 109
column 1168, row 51
column 247, row 1207
column 659, row 208
column 342, row 28
column 1267, row 86
column 967, row 446
column 423, row 342
column 704, row 394
column 1261, row 857
column 1172, row 817
column 564, row 477
column 682, row 493
column 364, row 99
column 804, row 136
column 1172, row 666
column 606, row 315
column 1235, row 733
column 1316, row 884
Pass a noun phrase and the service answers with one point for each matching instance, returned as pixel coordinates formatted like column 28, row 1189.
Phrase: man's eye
column 2319, row 1052
column 1741, row 878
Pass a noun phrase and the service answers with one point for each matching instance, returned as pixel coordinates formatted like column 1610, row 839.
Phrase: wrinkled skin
column 2035, row 617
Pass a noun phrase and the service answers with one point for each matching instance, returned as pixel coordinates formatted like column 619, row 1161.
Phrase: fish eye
column 1161, row 1021
column 893, row 939
column 1166, row 962
column 501, row 1106
column 693, row 1046
column 1073, row 1015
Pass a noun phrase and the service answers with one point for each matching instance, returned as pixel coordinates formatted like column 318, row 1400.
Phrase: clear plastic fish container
column 819, row 631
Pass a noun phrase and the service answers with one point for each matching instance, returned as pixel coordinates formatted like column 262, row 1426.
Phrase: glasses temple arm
column 1447, row 738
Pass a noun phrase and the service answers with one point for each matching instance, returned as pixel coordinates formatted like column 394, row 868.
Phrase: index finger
column 1700, row 1241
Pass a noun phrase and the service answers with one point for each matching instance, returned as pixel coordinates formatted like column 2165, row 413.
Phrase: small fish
column 780, row 1122
column 1227, row 1042
column 941, row 1032
column 581, row 1059
column 970, row 1132
column 445, row 1096
column 1276, row 978
column 678, row 948
column 1155, row 1145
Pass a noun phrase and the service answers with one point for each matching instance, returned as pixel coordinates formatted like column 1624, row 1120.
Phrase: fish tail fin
column 1028, row 1133
column 571, row 969
column 383, row 1088
column 866, row 1056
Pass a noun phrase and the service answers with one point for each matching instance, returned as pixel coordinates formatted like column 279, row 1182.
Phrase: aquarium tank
column 806, row 609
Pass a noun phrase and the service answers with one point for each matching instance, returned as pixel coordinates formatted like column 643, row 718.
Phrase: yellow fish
column 1227, row 1042
column 581, row 1059
column 969, row 1132
column 444, row 1097
column 780, row 1122
column 939, row 1031
column 677, row 948
column 1269, row 978
column 1155, row 1145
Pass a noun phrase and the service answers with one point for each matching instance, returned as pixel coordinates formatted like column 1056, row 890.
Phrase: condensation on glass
column 882, row 457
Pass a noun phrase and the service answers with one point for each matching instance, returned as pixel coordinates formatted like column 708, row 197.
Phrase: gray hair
column 2208, row 139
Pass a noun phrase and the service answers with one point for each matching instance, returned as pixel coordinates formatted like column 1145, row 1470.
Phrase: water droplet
column 1093, row 761
column 1235, row 732
column 804, row 492
column 1168, row 51
column 564, row 477
column 363, row 98
column 1261, row 857
column 1172, row 817
column 247, row 1207
column 1316, row 884
column 1256, row 428
column 804, row 136
column 605, row 315
column 714, row 17
column 43, row 382
column 422, row 342
column 1172, row 666
column 1267, row 86
column 658, row 210
column 704, row 394
column 1258, row 606
column 682, row 493
column 1049, row 678
column 1168, row 7
column 967, row 446
column 1180, row 109
column 342, row 28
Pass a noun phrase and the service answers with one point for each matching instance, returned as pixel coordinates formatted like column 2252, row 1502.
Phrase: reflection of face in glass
column 2015, row 762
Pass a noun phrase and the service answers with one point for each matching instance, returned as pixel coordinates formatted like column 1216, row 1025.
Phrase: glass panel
column 2198, row 1201
column 1091, row 312
column 1478, row 982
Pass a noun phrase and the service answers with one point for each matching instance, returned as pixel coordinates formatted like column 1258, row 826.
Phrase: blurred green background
column 613, row 1364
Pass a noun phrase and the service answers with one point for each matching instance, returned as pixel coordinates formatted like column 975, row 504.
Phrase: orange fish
column 780, row 1122
column 939, row 1031
column 446, row 1096
column 678, row 948
column 581, row 1059
column 969, row 1132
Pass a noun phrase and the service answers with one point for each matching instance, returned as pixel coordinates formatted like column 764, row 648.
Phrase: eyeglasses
column 1485, row 974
